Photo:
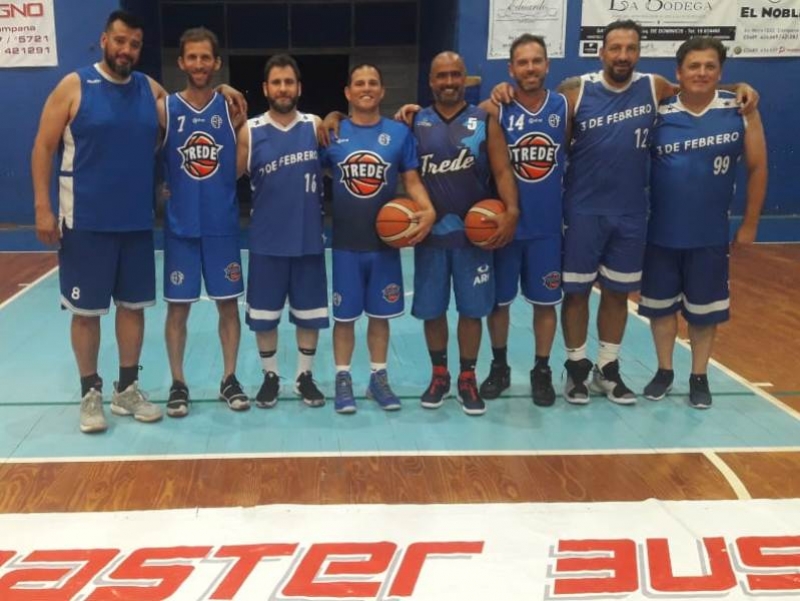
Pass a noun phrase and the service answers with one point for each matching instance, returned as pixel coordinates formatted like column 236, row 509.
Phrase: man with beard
column 279, row 151
column 461, row 149
column 201, row 233
column 104, row 120
column 536, row 129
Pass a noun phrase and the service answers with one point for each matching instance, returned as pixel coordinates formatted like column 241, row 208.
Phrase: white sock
column 305, row 359
column 269, row 363
column 608, row 354
column 576, row 354
column 376, row 366
column 342, row 368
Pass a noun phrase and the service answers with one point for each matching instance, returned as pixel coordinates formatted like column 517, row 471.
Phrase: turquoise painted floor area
column 39, row 407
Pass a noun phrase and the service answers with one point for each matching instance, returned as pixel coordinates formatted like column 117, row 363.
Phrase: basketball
column 477, row 230
column 394, row 221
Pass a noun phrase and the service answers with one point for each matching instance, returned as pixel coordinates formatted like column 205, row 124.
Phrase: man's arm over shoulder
column 491, row 108
column 755, row 150
column 664, row 88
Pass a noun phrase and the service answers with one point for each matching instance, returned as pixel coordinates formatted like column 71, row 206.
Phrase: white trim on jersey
column 571, row 277
column 722, row 305
column 656, row 303
column 263, row 314
column 165, row 141
column 541, row 106
column 582, row 79
column 635, row 76
column 110, row 79
column 66, row 200
column 309, row 314
column 188, row 104
column 619, row 276
column 68, row 154
column 653, row 90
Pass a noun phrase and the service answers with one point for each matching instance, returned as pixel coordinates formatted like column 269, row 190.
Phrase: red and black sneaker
column 438, row 389
column 468, row 396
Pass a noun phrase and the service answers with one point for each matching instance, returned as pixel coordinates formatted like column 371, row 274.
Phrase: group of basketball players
column 107, row 118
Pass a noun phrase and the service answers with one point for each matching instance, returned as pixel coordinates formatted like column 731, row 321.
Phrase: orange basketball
column 477, row 230
column 394, row 221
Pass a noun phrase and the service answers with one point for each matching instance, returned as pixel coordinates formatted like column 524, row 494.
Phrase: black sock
column 178, row 384
column 266, row 354
column 500, row 355
column 127, row 376
column 541, row 362
column 467, row 364
column 91, row 381
column 438, row 358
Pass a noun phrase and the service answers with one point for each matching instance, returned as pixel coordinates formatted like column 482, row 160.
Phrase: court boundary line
column 739, row 488
column 632, row 306
column 26, row 289
column 368, row 454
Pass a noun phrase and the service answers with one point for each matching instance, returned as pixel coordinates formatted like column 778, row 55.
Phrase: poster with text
column 767, row 28
column 665, row 23
column 27, row 34
column 508, row 19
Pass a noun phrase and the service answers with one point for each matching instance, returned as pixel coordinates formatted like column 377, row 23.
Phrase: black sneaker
column 305, row 388
column 699, row 393
column 608, row 381
column 437, row 390
column 575, row 390
column 496, row 382
column 178, row 401
column 267, row 396
column 660, row 385
column 231, row 392
column 468, row 396
column 542, row 386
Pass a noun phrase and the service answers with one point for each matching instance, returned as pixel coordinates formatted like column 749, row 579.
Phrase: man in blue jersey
column 367, row 274
column 461, row 151
column 201, row 233
column 279, row 150
column 104, row 120
column 697, row 142
column 536, row 129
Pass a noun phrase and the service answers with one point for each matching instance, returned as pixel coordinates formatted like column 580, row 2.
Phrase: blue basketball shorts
column 608, row 248
column 367, row 282
column 535, row 265
column 692, row 280
column 216, row 260
column 95, row 267
column 271, row 280
column 471, row 270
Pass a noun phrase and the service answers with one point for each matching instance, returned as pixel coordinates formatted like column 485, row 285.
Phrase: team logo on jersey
column 233, row 272
column 554, row 120
column 364, row 173
column 337, row 299
column 384, row 139
column 216, row 121
column 391, row 294
column 534, row 156
column 200, row 155
column 552, row 280
column 482, row 275
column 176, row 277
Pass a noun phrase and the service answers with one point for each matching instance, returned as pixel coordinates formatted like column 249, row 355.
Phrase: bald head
column 447, row 80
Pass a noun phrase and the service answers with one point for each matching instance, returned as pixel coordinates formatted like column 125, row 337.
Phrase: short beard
column 121, row 70
column 615, row 77
column 283, row 109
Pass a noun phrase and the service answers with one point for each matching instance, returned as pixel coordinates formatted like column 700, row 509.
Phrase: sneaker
column 305, row 388
column 437, row 390
column 660, row 385
column 380, row 391
column 267, row 396
column 92, row 417
column 344, row 401
column 231, row 392
column 699, row 393
column 542, row 386
column 575, row 390
column 178, row 401
column 496, row 382
column 608, row 381
column 133, row 401
column 468, row 396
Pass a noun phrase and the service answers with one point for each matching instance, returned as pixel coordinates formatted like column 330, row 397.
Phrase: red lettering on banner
column 770, row 552
column 169, row 577
column 5, row 556
column 247, row 558
column 408, row 573
column 302, row 583
column 663, row 580
column 27, row 9
column 93, row 560
column 619, row 559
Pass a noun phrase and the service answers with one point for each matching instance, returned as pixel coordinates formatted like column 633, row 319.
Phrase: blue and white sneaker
column 344, row 402
column 379, row 390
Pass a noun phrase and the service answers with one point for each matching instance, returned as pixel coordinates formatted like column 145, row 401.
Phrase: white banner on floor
column 665, row 23
column 508, row 19
column 28, row 34
column 767, row 28
column 511, row 552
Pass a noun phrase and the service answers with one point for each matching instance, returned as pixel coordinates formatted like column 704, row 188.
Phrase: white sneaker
column 133, row 401
column 92, row 417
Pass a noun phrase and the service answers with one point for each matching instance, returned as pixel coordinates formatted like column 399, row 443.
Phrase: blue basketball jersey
column 286, row 180
column 106, row 177
column 536, row 148
column 607, row 173
column 366, row 162
column 454, row 164
column 199, row 159
column 693, row 175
